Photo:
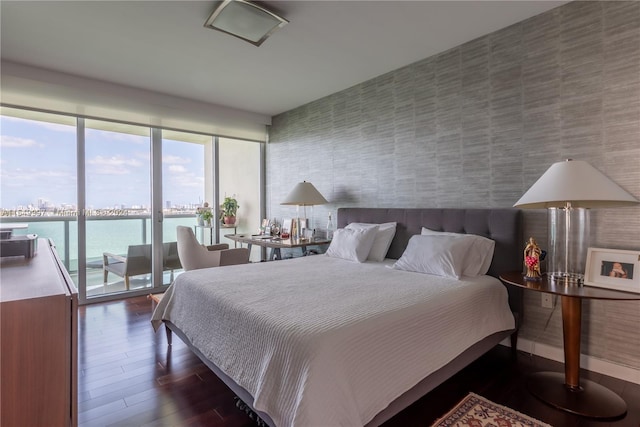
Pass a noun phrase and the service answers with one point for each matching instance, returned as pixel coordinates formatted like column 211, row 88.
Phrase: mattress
column 323, row 341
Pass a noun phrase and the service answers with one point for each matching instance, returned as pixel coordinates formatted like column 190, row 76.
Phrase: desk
column 275, row 243
column 567, row 392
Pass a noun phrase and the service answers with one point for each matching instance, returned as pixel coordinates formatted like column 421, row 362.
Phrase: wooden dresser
column 38, row 341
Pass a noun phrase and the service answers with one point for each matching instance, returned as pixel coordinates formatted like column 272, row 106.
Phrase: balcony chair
column 170, row 258
column 138, row 261
column 194, row 256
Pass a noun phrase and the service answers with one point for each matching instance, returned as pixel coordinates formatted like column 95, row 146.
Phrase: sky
column 38, row 161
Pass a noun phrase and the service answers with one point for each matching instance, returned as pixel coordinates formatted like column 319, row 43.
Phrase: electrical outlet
column 547, row 300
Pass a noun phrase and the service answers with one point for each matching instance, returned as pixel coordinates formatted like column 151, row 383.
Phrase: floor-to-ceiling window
column 38, row 177
column 98, row 206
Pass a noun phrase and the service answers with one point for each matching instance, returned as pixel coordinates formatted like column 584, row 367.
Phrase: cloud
column 175, row 160
column 177, row 169
column 144, row 155
column 182, row 183
column 8, row 141
column 42, row 178
column 115, row 165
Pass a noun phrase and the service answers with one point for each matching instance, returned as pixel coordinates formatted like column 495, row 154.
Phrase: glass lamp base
column 568, row 244
column 566, row 278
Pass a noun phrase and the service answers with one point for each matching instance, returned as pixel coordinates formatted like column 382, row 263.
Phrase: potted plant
column 228, row 210
column 205, row 215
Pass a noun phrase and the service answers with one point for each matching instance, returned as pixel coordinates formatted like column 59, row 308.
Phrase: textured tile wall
column 475, row 126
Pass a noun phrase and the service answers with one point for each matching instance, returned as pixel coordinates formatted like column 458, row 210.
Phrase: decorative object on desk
column 303, row 194
column 285, row 228
column 205, row 215
column 532, row 257
column 295, row 229
column 308, row 234
column 265, row 227
column 475, row 410
column 613, row 269
column 228, row 210
column 568, row 189
column 275, row 228
column 329, row 234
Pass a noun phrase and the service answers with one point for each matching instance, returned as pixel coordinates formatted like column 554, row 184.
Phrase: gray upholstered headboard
column 504, row 226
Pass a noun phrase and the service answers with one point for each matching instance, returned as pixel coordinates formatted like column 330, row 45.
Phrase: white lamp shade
column 304, row 194
column 577, row 182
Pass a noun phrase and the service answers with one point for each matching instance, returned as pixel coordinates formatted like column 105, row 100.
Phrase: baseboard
column 587, row 362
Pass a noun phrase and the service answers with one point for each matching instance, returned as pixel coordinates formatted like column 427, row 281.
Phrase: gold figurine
column 532, row 254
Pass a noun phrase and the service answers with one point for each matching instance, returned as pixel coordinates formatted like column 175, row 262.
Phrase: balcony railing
column 103, row 234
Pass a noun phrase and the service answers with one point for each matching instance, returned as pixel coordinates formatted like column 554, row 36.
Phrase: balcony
column 111, row 234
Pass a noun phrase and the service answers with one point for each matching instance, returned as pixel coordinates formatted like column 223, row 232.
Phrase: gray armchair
column 194, row 256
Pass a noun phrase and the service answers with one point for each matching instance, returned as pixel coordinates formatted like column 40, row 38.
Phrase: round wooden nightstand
column 568, row 392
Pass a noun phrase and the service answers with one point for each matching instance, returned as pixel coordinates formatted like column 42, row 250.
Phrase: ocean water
column 113, row 235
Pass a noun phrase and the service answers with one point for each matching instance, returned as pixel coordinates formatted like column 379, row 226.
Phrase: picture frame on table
column 617, row 269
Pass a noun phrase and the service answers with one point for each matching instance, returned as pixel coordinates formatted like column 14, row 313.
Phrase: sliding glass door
column 117, row 207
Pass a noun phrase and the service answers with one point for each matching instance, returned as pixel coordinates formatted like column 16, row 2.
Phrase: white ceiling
column 163, row 46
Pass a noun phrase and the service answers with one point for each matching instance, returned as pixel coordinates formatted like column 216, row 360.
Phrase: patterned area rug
column 476, row 411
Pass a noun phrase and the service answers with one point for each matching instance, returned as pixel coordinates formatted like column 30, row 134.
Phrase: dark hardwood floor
column 129, row 377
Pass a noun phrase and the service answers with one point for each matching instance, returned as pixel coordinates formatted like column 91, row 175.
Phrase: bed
column 320, row 340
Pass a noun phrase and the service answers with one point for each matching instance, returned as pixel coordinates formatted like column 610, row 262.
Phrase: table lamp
column 568, row 189
column 303, row 194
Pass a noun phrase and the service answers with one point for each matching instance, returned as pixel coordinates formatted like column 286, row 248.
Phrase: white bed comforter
column 320, row 341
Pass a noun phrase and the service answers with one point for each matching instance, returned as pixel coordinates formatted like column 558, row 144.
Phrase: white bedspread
column 320, row 341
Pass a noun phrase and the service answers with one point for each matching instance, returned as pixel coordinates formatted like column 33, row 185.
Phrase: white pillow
column 352, row 245
column 480, row 252
column 438, row 255
column 383, row 239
